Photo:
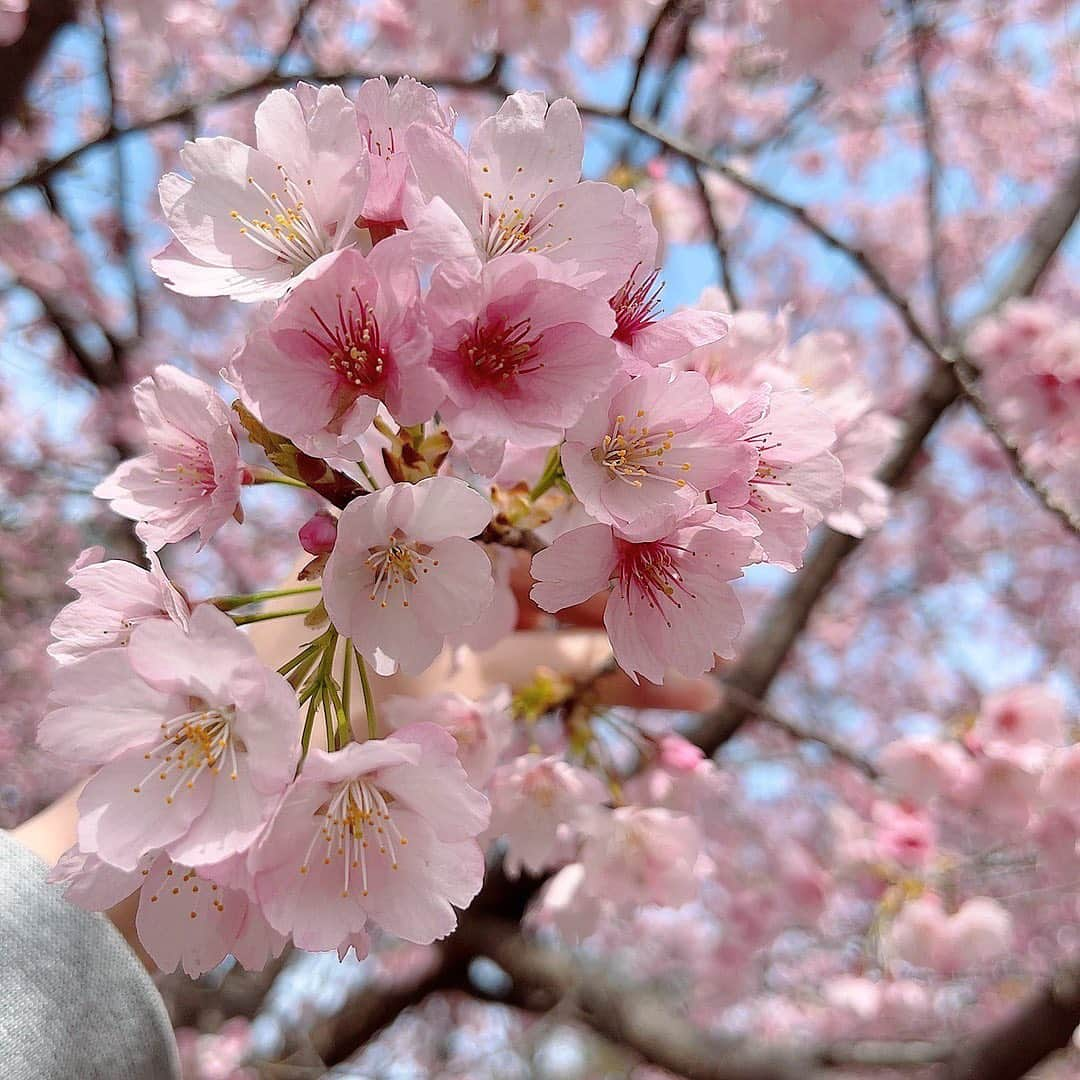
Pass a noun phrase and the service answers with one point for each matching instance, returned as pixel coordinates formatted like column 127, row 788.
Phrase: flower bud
column 318, row 533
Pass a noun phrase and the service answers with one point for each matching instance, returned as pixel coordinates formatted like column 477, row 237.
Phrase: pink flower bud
column 679, row 755
column 318, row 533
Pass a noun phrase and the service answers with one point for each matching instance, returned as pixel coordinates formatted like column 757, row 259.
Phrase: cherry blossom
column 829, row 41
column 1020, row 716
column 384, row 113
column 670, row 604
column 190, row 480
column 979, row 933
column 195, row 739
column 482, row 729
column 250, row 221
column 381, row 831
column 651, row 446
column 797, row 481
column 532, row 798
column 521, row 351
column 183, row 919
column 404, row 574
column 518, row 189
column 114, row 598
column 643, row 337
column 348, row 337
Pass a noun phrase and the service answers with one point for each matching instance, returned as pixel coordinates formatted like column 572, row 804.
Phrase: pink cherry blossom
column 651, row 447
column 635, row 855
column 917, row 935
column 318, row 534
column 521, row 351
column 517, row 189
column 384, row 113
column 183, row 919
column 195, row 738
column 1020, row 716
column 403, row 573
column 114, row 598
column 190, row 480
column 829, row 41
column 904, row 836
column 798, row 481
column 670, row 604
column 1007, row 784
column 381, row 831
column 825, row 364
column 1059, row 787
column 532, row 797
column 251, row 221
column 923, row 769
column 482, row 729
column 979, row 933
column 643, row 337
column 501, row 617
column 348, row 337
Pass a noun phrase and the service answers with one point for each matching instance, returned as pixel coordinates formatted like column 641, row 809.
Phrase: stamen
column 397, row 566
column 497, row 352
column 286, row 227
column 636, row 305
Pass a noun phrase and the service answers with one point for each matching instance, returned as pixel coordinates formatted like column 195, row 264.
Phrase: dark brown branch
column 1040, row 1025
column 669, row 11
column 932, row 153
column 644, row 1020
column 764, row 654
column 718, row 240
column 184, row 114
column 120, row 182
column 802, row 733
column 640, row 1020
column 20, row 60
column 371, row 1009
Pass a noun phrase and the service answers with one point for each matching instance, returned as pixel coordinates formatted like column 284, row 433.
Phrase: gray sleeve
column 74, row 999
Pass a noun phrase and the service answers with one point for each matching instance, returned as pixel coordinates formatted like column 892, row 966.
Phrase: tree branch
column 20, row 60
column 802, row 733
column 933, row 169
column 183, row 114
column 1043, row 1023
column 371, row 1009
column 764, row 654
column 120, row 179
column 718, row 239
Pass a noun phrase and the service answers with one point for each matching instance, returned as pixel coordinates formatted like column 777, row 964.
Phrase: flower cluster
column 1005, row 789
column 461, row 349
column 1029, row 359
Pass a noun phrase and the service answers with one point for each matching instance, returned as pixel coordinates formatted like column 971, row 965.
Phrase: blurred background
column 879, row 170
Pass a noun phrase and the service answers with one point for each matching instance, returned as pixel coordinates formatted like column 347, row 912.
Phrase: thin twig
column 801, row 733
column 932, row 186
column 719, row 240
column 120, row 184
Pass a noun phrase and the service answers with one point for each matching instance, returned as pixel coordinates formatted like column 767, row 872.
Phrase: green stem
column 228, row 603
column 369, row 697
column 367, row 475
column 306, row 653
column 268, row 476
column 345, row 721
column 328, row 719
column 309, row 724
column 297, row 676
column 266, row 616
column 552, row 472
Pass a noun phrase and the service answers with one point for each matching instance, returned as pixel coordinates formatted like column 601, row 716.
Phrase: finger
column 530, row 617
column 678, row 693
